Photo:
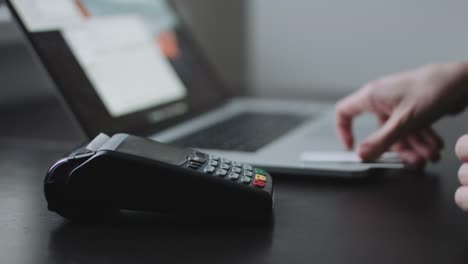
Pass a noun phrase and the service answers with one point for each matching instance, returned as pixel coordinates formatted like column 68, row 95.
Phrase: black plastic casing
column 126, row 173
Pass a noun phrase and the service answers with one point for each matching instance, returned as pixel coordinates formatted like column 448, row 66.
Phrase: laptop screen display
column 127, row 49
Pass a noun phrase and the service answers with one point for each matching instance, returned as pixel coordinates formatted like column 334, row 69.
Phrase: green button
column 260, row 171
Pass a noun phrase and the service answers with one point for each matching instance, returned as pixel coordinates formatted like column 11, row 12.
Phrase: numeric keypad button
column 221, row 172
column 209, row 169
column 248, row 167
column 225, row 166
column 233, row 176
column 246, row 180
column 197, row 159
column 213, row 163
column 213, row 157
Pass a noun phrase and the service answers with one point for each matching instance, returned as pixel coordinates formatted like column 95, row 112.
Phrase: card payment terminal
column 125, row 172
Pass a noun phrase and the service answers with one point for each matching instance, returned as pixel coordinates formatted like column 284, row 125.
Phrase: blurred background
column 298, row 48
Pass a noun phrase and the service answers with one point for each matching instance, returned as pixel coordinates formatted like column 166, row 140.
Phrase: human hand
column 406, row 105
column 461, row 149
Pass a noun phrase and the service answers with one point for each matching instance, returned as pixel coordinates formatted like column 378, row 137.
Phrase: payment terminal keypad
column 230, row 170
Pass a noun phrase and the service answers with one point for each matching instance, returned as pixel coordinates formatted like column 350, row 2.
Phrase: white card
column 345, row 157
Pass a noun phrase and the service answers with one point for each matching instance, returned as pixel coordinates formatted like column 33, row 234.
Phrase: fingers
column 386, row 136
column 434, row 142
column 461, row 198
column 461, row 148
column 418, row 148
column 435, row 138
column 463, row 174
column 407, row 153
column 427, row 144
column 346, row 110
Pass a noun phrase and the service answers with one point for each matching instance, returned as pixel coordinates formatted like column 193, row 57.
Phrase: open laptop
column 132, row 66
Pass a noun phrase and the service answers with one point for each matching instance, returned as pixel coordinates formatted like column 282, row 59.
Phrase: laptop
column 132, row 66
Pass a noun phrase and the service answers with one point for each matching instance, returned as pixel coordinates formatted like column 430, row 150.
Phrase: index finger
column 346, row 110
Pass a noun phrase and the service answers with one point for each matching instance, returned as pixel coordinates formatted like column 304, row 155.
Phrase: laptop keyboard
column 243, row 132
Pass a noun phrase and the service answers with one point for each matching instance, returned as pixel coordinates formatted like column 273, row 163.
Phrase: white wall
column 220, row 28
column 330, row 47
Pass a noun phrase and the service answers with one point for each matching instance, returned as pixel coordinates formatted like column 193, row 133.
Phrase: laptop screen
column 124, row 47
column 120, row 64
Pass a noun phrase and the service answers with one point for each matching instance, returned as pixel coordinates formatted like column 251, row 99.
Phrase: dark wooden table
column 406, row 218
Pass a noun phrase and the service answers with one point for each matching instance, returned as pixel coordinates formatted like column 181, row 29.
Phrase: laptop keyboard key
column 246, row 132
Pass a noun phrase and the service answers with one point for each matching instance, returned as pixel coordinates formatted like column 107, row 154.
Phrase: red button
column 259, row 183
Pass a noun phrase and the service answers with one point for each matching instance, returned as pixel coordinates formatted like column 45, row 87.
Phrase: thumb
column 381, row 140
